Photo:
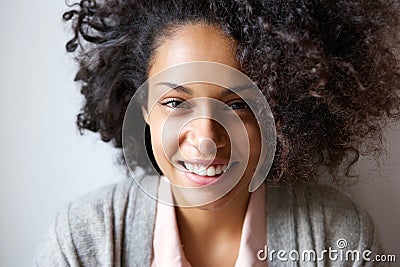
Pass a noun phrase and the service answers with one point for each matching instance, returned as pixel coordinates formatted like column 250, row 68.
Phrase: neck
column 199, row 224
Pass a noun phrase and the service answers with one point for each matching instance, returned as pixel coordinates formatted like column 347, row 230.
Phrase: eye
column 175, row 103
column 237, row 104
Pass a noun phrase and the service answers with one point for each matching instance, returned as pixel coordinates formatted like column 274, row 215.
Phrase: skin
column 207, row 237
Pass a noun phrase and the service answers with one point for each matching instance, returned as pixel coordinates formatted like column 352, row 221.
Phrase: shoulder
column 96, row 205
column 341, row 216
column 91, row 230
column 318, row 218
column 336, row 220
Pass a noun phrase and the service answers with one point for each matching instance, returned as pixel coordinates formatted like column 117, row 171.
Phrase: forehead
column 194, row 42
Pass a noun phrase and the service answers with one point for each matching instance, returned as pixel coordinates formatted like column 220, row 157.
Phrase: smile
column 205, row 170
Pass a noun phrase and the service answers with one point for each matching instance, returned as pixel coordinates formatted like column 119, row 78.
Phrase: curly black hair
column 328, row 69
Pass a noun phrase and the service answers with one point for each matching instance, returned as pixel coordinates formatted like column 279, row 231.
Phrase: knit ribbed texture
column 114, row 226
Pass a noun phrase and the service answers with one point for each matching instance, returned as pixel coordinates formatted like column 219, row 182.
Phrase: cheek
column 255, row 140
column 155, row 133
column 164, row 141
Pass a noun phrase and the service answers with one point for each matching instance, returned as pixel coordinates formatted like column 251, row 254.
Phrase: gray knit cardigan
column 114, row 227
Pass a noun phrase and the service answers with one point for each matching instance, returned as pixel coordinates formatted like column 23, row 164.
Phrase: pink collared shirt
column 167, row 248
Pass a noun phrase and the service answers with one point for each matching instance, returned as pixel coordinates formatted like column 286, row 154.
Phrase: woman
column 328, row 73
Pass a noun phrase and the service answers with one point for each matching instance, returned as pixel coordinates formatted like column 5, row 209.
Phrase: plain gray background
column 45, row 162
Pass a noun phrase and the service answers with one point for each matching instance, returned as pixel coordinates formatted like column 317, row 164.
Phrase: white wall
column 44, row 161
column 378, row 191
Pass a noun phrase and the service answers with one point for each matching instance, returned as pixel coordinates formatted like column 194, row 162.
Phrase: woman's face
column 203, row 148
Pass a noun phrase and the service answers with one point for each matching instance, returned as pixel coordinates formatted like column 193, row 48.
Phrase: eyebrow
column 189, row 91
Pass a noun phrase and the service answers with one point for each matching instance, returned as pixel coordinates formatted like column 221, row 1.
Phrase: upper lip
column 207, row 162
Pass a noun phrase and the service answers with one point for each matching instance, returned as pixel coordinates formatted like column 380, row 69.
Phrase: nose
column 206, row 135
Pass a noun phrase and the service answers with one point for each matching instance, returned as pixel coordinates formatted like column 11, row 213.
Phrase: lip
column 207, row 162
column 205, row 180
column 201, row 180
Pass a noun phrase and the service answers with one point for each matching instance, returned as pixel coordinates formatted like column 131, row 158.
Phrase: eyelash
column 243, row 104
column 178, row 103
column 168, row 102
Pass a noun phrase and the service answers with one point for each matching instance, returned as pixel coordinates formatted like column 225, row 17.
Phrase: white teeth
column 218, row 170
column 224, row 167
column 211, row 171
column 204, row 170
column 189, row 166
column 195, row 167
